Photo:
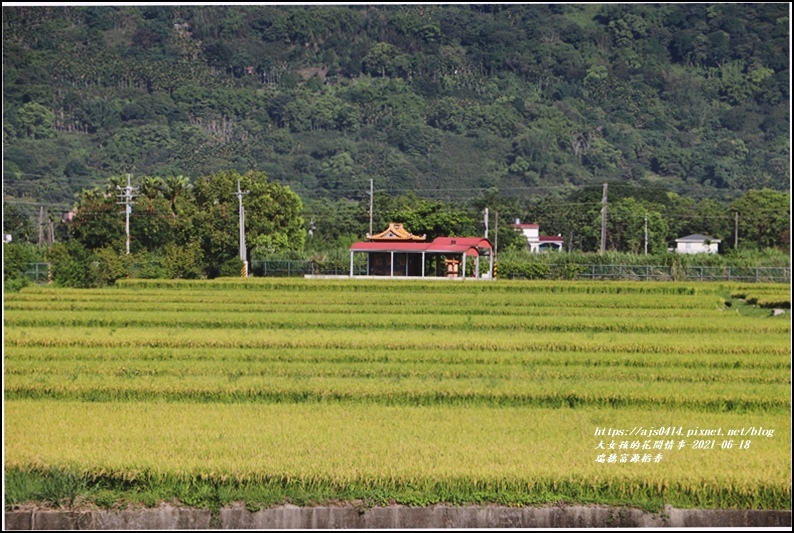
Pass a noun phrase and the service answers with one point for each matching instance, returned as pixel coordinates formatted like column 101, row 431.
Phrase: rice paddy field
column 270, row 391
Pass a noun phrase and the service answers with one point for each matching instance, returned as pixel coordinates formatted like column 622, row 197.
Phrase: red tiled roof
column 453, row 249
column 451, row 245
column 479, row 242
column 526, row 226
column 550, row 238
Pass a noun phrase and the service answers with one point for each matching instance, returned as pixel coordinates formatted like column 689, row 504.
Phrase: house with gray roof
column 697, row 244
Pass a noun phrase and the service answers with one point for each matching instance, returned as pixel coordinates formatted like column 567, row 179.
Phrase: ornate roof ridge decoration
column 396, row 232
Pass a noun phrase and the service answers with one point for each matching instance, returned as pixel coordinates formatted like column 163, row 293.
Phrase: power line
column 357, row 206
column 635, row 186
column 34, row 204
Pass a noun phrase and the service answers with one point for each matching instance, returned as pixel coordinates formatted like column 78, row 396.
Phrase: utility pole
column 371, row 202
column 127, row 194
column 243, row 256
column 735, row 230
column 41, row 225
column 496, row 232
column 604, row 220
column 495, row 243
column 646, row 233
column 486, row 222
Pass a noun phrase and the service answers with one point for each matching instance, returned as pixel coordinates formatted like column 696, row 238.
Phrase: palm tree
column 90, row 195
column 176, row 186
column 114, row 183
column 152, row 187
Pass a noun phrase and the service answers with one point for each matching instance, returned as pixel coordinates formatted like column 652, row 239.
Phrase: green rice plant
column 21, row 485
column 384, row 286
column 69, row 369
column 773, row 302
column 319, row 304
column 214, row 492
column 769, row 300
column 551, row 391
column 726, row 343
column 359, row 322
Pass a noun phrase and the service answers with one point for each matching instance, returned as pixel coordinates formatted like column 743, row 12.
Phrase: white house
column 536, row 241
column 697, row 244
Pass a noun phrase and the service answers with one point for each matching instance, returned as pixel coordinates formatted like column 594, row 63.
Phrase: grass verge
column 71, row 488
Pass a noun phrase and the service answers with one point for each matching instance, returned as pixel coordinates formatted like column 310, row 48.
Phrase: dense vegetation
column 181, row 230
column 448, row 109
column 309, row 391
column 691, row 97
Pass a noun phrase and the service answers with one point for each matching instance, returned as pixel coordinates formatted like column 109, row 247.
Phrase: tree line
column 184, row 229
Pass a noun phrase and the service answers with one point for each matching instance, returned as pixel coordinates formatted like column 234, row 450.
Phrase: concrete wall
column 434, row 517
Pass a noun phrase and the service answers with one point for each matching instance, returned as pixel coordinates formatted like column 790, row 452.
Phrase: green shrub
column 526, row 270
column 73, row 265
column 112, row 265
column 568, row 271
column 16, row 284
column 16, row 256
column 231, row 268
column 182, row 262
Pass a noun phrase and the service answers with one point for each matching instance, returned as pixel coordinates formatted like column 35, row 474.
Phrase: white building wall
column 533, row 239
column 697, row 248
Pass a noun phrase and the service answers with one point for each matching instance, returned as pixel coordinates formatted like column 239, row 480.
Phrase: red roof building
column 397, row 253
column 536, row 241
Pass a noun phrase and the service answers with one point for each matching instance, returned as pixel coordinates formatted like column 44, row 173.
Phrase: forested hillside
column 529, row 99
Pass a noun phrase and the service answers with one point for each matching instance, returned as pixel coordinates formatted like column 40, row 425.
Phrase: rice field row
column 412, row 455
column 519, row 309
column 382, row 287
column 737, row 344
column 722, row 398
column 81, row 370
column 450, row 302
column 503, row 293
column 359, row 321
column 76, row 356
column 398, row 391
column 421, row 442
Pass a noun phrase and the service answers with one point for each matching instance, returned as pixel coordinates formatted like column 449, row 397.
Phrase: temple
column 396, row 252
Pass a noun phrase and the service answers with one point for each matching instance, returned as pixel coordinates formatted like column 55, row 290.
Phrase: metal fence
column 600, row 272
column 38, row 272
column 689, row 273
column 280, row 268
column 302, row 268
